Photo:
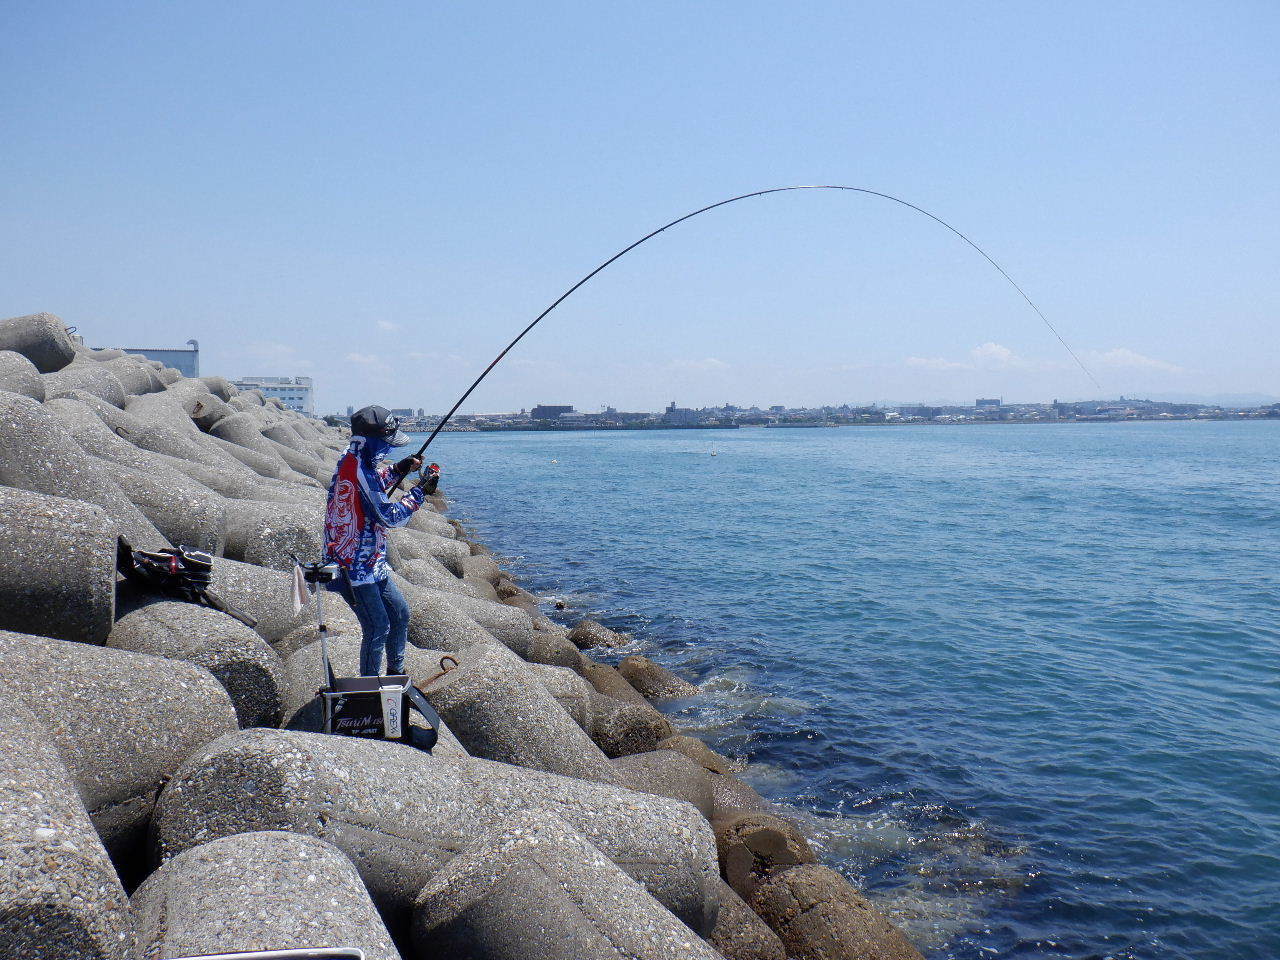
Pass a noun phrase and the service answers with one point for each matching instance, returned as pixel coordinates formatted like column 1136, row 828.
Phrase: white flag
column 301, row 590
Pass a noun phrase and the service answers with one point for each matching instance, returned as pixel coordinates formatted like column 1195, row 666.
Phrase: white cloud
column 388, row 326
column 995, row 355
column 365, row 359
column 1125, row 358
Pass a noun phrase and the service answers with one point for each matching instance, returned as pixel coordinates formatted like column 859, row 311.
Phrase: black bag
column 177, row 572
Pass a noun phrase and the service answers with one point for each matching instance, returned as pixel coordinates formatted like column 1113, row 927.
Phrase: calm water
column 1022, row 679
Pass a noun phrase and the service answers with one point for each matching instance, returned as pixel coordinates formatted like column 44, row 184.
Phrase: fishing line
column 747, row 196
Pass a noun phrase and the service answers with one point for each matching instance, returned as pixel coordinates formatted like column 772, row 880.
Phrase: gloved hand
column 429, row 480
column 408, row 465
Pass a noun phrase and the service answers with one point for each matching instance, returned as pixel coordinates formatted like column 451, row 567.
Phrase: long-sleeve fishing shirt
column 360, row 512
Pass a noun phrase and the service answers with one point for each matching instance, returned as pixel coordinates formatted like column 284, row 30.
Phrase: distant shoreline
column 602, row 428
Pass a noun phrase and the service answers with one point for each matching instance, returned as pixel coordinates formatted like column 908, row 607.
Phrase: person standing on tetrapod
column 355, row 534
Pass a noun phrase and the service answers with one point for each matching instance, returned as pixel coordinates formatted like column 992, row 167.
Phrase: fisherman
column 355, row 534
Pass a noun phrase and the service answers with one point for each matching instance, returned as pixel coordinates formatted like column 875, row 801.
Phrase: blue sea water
column 1021, row 681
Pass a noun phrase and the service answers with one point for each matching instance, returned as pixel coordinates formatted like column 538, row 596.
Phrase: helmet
column 378, row 422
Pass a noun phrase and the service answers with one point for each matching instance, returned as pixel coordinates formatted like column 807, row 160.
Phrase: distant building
column 987, row 403
column 402, row 412
column 186, row 362
column 293, row 392
column 680, row 416
column 544, row 411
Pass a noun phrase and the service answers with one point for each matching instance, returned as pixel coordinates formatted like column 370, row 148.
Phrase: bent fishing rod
column 746, row 196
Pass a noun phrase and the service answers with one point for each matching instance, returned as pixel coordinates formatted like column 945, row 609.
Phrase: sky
column 381, row 195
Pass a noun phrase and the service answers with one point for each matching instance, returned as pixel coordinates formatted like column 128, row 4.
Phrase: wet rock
column 819, row 916
column 621, row 729
column 588, row 634
column 753, row 845
column 502, row 712
column 257, row 891
column 60, row 898
column 93, row 378
column 667, row 774
column 40, row 337
column 552, row 647
column 19, row 375
column 121, row 721
column 535, row 887
column 740, row 934
column 248, row 669
column 37, row 454
column 698, row 752
column 57, row 567
column 732, row 796
column 401, row 814
column 611, row 683
column 654, row 681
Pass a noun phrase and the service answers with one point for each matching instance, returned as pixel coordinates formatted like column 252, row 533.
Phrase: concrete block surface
column 60, row 898
column 266, row 890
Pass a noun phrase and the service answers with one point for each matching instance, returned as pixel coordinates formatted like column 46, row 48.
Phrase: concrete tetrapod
column 535, row 887
column 819, row 916
column 263, row 594
column 654, row 681
column 60, row 898
column 272, row 534
column 37, row 453
column 40, row 337
column 401, row 814
column 437, row 625
column 667, row 774
column 501, row 712
column 19, row 375
column 416, row 545
column 431, row 573
column 57, row 567
column 248, row 669
column 59, row 894
column 510, row 626
column 136, row 376
column 240, row 428
column 257, row 891
column 187, row 513
column 86, row 375
column 122, row 721
column 740, row 934
column 754, row 845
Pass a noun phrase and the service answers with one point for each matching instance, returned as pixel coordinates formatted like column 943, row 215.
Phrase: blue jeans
column 384, row 618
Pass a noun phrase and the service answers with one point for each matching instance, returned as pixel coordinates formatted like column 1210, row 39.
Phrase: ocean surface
column 1022, row 681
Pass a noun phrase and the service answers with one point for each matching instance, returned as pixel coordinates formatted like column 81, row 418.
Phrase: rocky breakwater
column 164, row 789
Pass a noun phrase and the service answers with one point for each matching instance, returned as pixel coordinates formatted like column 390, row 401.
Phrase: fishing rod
column 746, row 196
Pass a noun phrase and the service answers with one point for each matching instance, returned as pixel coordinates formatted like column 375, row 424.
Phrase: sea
column 1020, row 682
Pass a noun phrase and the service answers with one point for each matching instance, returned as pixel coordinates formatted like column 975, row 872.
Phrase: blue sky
column 379, row 195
